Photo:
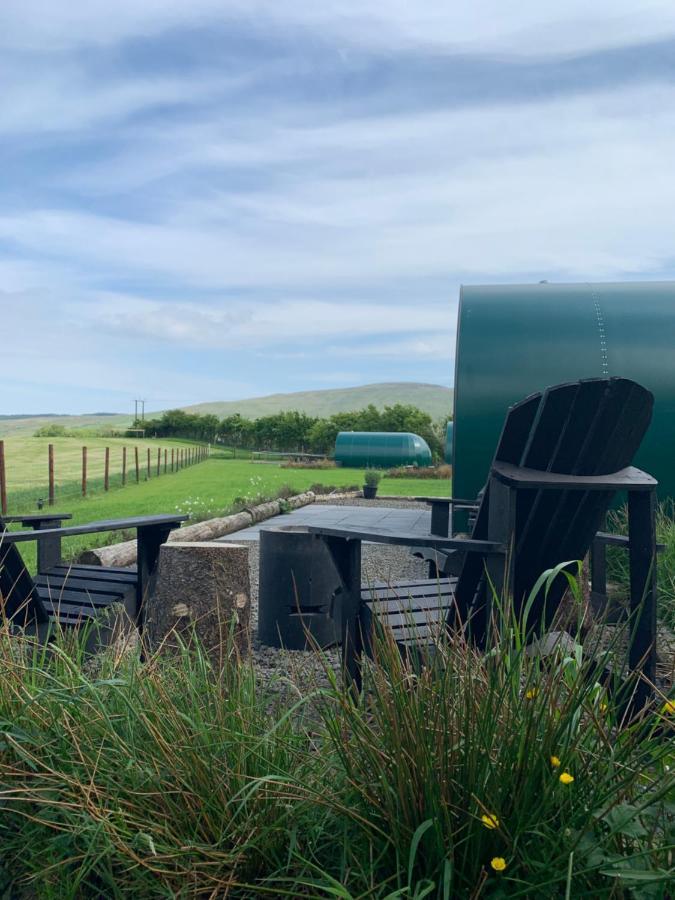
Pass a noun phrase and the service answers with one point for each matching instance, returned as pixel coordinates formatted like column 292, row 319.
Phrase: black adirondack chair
column 72, row 595
column 562, row 456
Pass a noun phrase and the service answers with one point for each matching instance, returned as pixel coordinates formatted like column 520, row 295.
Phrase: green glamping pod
column 381, row 449
column 513, row 340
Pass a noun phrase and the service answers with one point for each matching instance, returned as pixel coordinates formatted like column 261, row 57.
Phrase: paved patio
column 382, row 518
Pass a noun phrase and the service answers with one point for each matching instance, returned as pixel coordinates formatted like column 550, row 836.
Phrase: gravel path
column 379, row 562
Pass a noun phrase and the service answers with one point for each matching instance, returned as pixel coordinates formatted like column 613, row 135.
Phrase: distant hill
column 16, row 425
column 432, row 398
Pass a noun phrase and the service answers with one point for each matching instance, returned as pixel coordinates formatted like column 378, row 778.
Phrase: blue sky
column 219, row 199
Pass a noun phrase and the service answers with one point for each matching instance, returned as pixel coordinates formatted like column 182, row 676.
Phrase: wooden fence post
column 138, row 468
column 84, row 471
column 124, row 466
column 166, row 453
column 172, row 459
column 3, row 481
column 50, row 453
column 148, row 464
column 106, row 470
column 159, row 460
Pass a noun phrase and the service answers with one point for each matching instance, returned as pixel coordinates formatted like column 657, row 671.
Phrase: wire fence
column 92, row 470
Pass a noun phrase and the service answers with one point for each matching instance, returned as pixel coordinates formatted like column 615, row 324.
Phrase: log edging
column 124, row 553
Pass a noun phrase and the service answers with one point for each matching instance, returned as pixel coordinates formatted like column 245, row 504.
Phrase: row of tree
column 293, row 431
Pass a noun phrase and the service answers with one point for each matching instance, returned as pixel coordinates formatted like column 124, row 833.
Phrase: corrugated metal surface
column 513, row 340
column 361, row 449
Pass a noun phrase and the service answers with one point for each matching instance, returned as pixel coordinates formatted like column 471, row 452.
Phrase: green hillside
column 15, row 426
column 431, row 398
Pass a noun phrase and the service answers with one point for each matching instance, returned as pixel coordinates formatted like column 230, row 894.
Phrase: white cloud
column 237, row 324
column 530, row 28
column 579, row 188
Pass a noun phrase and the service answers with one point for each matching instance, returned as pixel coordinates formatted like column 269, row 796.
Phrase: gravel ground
column 379, row 562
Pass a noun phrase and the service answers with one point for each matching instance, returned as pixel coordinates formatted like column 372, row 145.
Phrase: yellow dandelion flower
column 498, row 863
column 531, row 694
column 555, row 762
column 490, row 821
column 668, row 708
column 566, row 778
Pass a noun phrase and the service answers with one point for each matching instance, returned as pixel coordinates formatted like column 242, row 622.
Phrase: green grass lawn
column 210, row 489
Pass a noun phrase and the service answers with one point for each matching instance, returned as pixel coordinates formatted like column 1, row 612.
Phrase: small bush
column 372, row 478
column 309, row 464
column 441, row 472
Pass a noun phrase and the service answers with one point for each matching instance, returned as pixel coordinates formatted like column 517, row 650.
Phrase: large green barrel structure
column 513, row 340
column 381, row 449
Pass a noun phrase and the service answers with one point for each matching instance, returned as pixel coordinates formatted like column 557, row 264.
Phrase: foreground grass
column 479, row 776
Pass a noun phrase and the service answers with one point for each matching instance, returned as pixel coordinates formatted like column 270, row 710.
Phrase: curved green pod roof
column 513, row 340
column 381, row 449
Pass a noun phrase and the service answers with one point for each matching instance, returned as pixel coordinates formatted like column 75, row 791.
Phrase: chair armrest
column 34, row 520
column 628, row 479
column 483, row 548
column 619, row 540
column 451, row 501
column 17, row 537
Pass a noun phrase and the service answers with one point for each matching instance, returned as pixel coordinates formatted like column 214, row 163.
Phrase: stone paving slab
column 381, row 518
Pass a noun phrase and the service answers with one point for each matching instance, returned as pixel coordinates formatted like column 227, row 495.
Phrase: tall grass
column 617, row 559
column 165, row 778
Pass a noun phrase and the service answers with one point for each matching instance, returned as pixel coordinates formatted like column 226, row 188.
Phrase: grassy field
column 210, row 489
column 26, row 463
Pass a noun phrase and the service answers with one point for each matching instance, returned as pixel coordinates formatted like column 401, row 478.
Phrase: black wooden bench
column 73, row 594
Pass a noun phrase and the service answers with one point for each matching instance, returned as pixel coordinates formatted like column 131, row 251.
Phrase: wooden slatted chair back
column 588, row 427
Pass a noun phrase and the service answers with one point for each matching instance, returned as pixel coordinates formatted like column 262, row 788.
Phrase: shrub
column 372, row 478
column 309, row 464
column 442, row 472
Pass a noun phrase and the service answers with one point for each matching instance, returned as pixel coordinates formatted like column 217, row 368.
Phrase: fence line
column 3, row 481
column 180, row 458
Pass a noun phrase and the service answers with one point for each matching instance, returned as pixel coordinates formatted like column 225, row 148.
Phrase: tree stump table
column 202, row 591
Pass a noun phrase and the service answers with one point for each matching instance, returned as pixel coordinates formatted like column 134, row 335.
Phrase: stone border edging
column 124, row 554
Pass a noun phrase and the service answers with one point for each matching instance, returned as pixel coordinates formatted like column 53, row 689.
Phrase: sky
column 216, row 199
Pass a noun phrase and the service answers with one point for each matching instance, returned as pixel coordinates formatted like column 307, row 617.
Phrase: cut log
column 202, row 592
column 124, row 554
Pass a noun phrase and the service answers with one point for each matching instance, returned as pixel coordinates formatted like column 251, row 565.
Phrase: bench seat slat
column 87, row 585
column 123, row 576
column 86, row 597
